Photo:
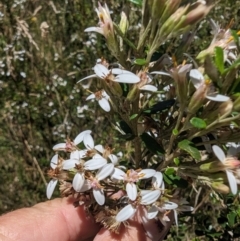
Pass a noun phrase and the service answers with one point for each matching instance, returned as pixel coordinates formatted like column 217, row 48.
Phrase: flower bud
column 170, row 7
column 112, row 88
column 220, row 187
column 133, row 94
column 236, row 104
column 157, row 8
column 196, row 15
column 181, row 83
column 223, row 110
column 197, row 99
column 212, row 167
column 124, row 23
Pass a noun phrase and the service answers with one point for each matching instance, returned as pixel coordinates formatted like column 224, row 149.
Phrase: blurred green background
column 43, row 53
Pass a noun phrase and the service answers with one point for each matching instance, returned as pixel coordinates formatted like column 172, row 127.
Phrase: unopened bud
column 196, row 14
column 133, row 94
column 236, row 104
column 124, row 24
column 212, row 167
column 197, row 99
column 220, row 187
column 223, row 110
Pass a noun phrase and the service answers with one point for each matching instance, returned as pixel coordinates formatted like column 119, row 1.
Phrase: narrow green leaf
column 151, row 144
column 198, row 123
column 219, row 59
column 231, row 218
column 176, row 161
column 169, row 171
column 137, row 2
column 186, row 145
column 140, row 61
column 133, row 116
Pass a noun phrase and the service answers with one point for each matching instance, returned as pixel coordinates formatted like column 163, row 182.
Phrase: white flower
column 102, row 97
column 107, row 153
column 104, row 172
column 229, row 163
column 204, row 85
column 54, row 163
column 130, row 177
column 115, row 75
column 145, row 81
column 81, row 166
column 70, row 146
column 129, row 210
column 105, row 22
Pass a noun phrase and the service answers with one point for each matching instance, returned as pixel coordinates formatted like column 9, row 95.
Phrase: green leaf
column 140, row 61
column 137, row 2
column 151, row 144
column 198, row 123
column 186, row 145
column 133, row 116
column 219, row 59
column 176, row 161
column 169, row 171
column 231, row 218
column 175, row 180
column 175, row 132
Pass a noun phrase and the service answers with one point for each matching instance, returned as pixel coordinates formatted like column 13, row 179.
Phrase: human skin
column 59, row 220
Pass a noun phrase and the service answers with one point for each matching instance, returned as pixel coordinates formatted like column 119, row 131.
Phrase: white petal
column 50, row 187
column 97, row 156
column 104, row 104
column 95, row 163
column 144, row 192
column 86, row 186
column 54, row 161
column 232, row 182
column 175, row 216
column 126, row 213
column 78, row 182
column 59, row 147
column 219, row 153
column 160, row 72
column 90, row 97
column 218, row 97
column 150, row 197
column 157, row 180
column 152, row 212
column 185, row 208
column 118, row 71
column 149, row 88
column 101, row 71
column 99, row 196
column 79, row 137
column 118, row 174
column 75, row 155
column 169, row 205
column 105, row 171
column 127, row 78
column 94, row 29
column 131, row 189
column 69, row 164
column 147, row 173
column 88, row 77
column 88, row 141
column 196, row 78
column 113, row 158
column 99, row 148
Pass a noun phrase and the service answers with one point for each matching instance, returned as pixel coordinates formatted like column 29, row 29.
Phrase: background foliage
column 41, row 105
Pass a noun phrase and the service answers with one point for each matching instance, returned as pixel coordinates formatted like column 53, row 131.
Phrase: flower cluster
column 172, row 117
